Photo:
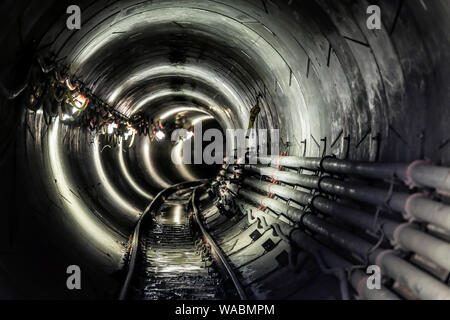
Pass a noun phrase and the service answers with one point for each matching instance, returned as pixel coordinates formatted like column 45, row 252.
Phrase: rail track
column 173, row 257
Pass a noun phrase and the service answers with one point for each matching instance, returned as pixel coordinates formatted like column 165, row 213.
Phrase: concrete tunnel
column 355, row 109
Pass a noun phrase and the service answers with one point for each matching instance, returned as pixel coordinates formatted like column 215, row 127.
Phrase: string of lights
column 70, row 99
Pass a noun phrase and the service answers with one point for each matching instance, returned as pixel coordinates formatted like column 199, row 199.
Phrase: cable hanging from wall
column 49, row 89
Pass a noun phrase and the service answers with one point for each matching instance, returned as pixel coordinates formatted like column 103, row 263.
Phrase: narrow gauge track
column 172, row 256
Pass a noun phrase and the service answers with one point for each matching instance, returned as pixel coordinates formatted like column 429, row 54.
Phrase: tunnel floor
column 176, row 264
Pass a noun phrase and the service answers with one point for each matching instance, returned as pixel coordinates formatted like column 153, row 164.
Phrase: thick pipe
column 418, row 173
column 417, row 241
column 312, row 222
column 414, row 206
column 349, row 215
column 420, row 283
column 338, row 265
column 404, row 235
column 357, row 278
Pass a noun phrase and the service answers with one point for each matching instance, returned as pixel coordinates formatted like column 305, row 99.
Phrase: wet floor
column 174, row 269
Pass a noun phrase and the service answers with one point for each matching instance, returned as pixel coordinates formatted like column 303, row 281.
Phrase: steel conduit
column 307, row 243
column 420, row 283
column 419, row 173
column 337, row 235
column 352, row 216
column 358, row 278
column 404, row 235
column 413, row 206
column 338, row 271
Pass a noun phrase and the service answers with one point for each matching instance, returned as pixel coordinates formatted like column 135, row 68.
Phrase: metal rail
column 134, row 250
column 215, row 250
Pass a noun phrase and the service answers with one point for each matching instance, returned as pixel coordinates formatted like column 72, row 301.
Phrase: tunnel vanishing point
column 354, row 204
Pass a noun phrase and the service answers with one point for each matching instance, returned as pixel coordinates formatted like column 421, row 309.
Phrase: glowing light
column 129, row 133
column 189, row 135
column 178, row 214
column 163, row 93
column 206, row 76
column 178, row 110
column 201, row 119
column 80, row 101
column 127, row 175
column 132, row 140
column 78, row 213
column 160, row 135
column 127, row 207
column 178, row 151
column 111, row 127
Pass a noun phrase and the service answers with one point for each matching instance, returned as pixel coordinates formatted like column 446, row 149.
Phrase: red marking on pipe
column 270, row 194
column 277, row 163
column 261, row 206
column 277, row 159
column 379, row 259
column 406, row 211
column 409, row 179
column 268, row 188
column 360, row 285
column 397, row 233
column 271, row 175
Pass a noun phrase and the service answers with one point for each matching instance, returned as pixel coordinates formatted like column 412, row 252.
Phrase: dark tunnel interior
column 72, row 191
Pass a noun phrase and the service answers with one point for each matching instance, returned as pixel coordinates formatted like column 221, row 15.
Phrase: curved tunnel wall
column 330, row 85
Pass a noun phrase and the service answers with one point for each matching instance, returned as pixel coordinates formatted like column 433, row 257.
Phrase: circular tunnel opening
column 94, row 140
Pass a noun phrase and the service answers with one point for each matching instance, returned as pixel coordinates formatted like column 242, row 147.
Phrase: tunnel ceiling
column 328, row 83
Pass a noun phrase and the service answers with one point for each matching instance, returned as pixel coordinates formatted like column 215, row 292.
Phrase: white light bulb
column 189, row 135
column 160, row 135
column 110, row 128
